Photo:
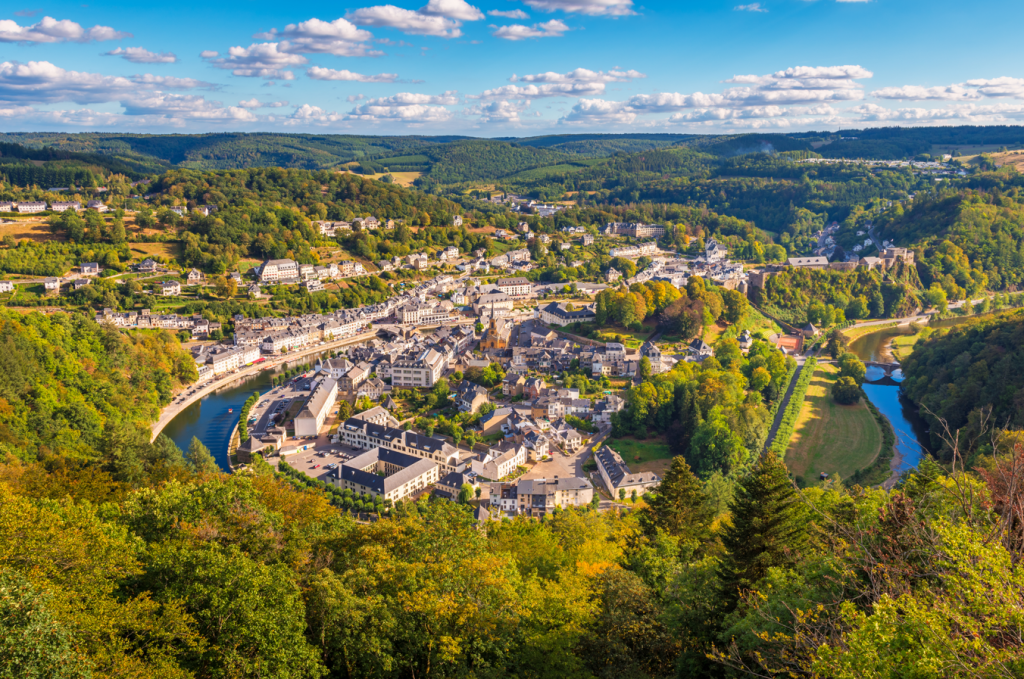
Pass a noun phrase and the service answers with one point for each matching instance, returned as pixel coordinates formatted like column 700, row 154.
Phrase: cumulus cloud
column 999, row 87
column 339, row 37
column 40, row 82
column 449, row 98
column 319, row 73
column 256, row 103
column 580, row 82
column 407, row 107
column 508, row 14
column 459, row 10
column 588, row 7
column 51, row 30
column 498, row 111
column 259, row 60
column 192, row 106
column 312, row 115
column 208, row 54
column 593, row 112
column 141, row 55
column 407, row 21
column 755, row 7
column 549, row 29
column 917, row 93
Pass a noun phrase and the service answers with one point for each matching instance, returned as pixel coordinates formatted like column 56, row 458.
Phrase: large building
column 640, row 250
column 517, row 288
column 558, row 313
column 278, row 269
column 497, row 334
column 616, row 477
column 386, row 473
column 539, row 497
column 634, row 229
column 421, row 369
column 359, row 433
column 314, row 413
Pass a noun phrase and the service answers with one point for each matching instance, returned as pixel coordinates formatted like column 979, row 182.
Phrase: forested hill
column 968, row 376
column 120, row 558
column 318, row 151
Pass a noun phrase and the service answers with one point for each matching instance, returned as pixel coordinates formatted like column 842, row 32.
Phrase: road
column 777, row 422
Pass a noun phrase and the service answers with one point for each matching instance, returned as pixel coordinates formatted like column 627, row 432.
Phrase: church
column 497, row 334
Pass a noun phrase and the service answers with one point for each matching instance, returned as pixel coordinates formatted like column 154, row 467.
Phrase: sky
column 509, row 67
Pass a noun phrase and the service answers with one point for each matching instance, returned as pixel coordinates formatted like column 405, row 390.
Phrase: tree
column 851, row 366
column 845, row 391
column 716, row 446
column 767, row 528
column 736, row 305
column 645, row 368
column 199, row 459
column 836, row 343
column 465, row 494
column 622, row 493
column 935, row 298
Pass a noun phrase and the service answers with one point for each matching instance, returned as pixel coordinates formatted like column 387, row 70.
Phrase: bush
column 845, row 391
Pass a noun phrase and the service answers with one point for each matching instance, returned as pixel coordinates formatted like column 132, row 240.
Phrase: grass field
column 27, row 229
column 830, row 437
column 633, row 338
column 854, row 332
column 753, row 321
column 903, row 345
column 401, row 178
column 144, row 250
column 645, row 455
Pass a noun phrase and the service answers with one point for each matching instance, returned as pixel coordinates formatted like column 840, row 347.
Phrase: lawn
column 168, row 250
column 637, row 453
column 855, row 331
column 903, row 345
column 830, row 437
column 631, row 338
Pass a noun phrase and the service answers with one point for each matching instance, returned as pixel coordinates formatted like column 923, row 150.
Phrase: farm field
column 27, row 229
column 829, row 437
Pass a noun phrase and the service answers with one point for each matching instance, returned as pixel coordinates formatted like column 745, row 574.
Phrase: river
column 209, row 420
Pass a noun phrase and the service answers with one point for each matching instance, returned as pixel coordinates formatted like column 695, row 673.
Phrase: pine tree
column 767, row 527
column 679, row 507
column 199, row 458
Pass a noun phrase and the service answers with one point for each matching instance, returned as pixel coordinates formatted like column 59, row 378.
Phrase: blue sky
column 509, row 67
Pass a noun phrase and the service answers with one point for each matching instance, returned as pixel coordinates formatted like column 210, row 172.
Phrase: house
column 699, row 350
column 90, row 269
column 170, row 288
column 469, row 397
column 514, row 384
column 80, row 283
column 6, row 286
column 195, row 276
column 810, row 331
column 254, row 291
column 517, row 288
column 500, row 461
column 31, row 206
column 457, row 221
column 96, row 205
column 51, row 284
column 745, row 340
column 715, row 251
column 7, row 206
column 539, row 497
column 587, row 240
column 616, row 477
column 61, row 206
column 178, row 209
column 321, row 400
column 612, row 275
column 149, row 266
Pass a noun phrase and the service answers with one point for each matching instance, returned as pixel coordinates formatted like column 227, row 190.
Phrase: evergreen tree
column 199, row 458
column 767, row 527
column 680, row 506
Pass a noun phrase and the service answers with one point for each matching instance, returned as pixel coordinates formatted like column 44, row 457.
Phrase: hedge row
column 792, row 412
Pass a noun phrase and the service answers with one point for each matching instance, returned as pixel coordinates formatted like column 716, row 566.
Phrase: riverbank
column 175, row 408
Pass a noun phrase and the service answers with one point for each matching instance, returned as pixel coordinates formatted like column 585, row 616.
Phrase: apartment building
column 359, row 433
column 421, row 369
column 278, row 269
column 539, row 497
column 321, row 400
column 380, row 472
column 518, row 288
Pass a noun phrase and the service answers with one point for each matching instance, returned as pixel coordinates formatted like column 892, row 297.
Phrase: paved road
column 801, row 360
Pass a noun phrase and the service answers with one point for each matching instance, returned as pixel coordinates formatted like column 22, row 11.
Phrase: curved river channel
column 209, row 420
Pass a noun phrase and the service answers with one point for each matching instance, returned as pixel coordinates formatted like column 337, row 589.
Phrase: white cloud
column 999, row 87
column 755, row 7
column 592, row 112
column 498, row 111
column 260, row 60
column 407, row 114
column 415, row 99
column 508, row 14
column 167, row 82
column 50, row 30
column 549, row 29
column 208, row 54
column 339, row 37
column 256, row 103
column 580, row 82
column 40, row 82
column 459, row 10
column 407, row 21
column 312, row 115
column 141, row 55
column 580, row 75
column 589, row 7
column 970, row 114
column 917, row 93
column 352, row 98
column 191, row 106
column 319, row 73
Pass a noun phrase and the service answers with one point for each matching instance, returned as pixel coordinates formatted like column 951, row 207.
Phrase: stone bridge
column 887, row 367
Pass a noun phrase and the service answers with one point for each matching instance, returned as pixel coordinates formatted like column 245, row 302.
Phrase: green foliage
column 792, row 412
column 846, row 391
